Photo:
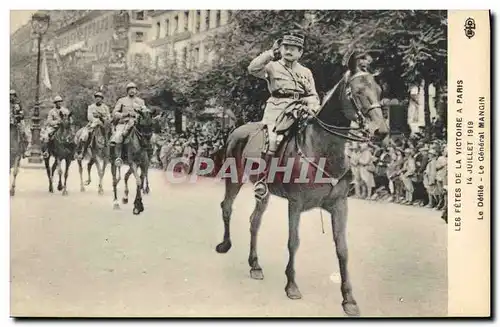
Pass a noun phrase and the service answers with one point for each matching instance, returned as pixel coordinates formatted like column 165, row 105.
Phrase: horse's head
column 144, row 120
column 358, row 97
column 65, row 118
column 361, row 98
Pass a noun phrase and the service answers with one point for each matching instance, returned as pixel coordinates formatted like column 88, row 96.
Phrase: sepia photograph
column 232, row 163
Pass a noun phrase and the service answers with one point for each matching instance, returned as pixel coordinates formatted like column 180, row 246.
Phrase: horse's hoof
column 59, row 187
column 65, row 192
column 256, row 274
column 51, row 190
column 351, row 309
column 136, row 211
column 87, row 182
column 116, row 206
column 100, row 191
column 146, row 190
column 12, row 192
column 82, row 189
column 293, row 292
column 125, row 200
column 223, row 247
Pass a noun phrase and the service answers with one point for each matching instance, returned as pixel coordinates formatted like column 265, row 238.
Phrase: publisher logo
column 470, row 26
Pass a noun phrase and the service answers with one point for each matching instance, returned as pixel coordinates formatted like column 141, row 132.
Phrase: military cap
column 293, row 38
column 98, row 94
column 57, row 98
column 13, row 92
column 131, row 85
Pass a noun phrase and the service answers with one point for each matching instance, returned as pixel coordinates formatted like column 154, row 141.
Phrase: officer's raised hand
column 276, row 49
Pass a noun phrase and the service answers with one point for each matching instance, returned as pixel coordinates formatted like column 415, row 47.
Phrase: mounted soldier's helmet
column 57, row 99
column 13, row 92
column 98, row 94
column 294, row 38
column 131, row 85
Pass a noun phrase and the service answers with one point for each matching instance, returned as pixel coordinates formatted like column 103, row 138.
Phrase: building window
column 167, row 27
column 186, row 20
column 207, row 20
column 197, row 25
column 158, row 30
column 106, row 24
column 157, row 59
column 176, row 24
column 139, row 15
column 229, row 14
column 139, row 36
column 217, row 18
column 174, row 57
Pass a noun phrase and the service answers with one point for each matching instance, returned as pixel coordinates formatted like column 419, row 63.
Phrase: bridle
column 346, row 132
column 341, row 131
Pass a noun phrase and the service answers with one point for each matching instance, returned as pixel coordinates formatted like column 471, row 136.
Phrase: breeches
column 271, row 113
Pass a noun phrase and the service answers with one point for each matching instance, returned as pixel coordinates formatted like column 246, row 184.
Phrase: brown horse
column 62, row 147
column 355, row 98
column 17, row 149
column 98, row 153
column 136, row 156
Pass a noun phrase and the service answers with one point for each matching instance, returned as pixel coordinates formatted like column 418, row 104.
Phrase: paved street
column 76, row 256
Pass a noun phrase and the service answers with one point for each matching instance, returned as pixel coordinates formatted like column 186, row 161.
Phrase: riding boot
column 260, row 188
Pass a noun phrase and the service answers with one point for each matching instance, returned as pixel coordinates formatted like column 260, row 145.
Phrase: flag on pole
column 45, row 73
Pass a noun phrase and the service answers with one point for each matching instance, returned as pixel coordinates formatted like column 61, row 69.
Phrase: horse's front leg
column 125, row 181
column 89, row 169
column 50, row 173
column 294, row 211
column 66, row 173
column 80, row 171
column 101, row 169
column 116, row 204
column 255, row 220
column 338, row 213
column 59, row 172
column 138, row 205
column 15, row 171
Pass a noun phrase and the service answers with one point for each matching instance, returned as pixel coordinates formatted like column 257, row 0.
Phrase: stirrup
column 261, row 190
column 118, row 162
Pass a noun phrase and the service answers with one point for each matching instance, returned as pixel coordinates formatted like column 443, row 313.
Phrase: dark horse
column 62, row 147
column 98, row 153
column 355, row 98
column 136, row 156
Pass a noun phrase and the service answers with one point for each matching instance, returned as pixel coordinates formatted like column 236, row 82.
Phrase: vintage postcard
column 250, row 163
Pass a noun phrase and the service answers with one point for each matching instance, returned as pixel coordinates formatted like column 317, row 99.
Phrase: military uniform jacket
column 126, row 105
column 102, row 109
column 54, row 118
column 297, row 79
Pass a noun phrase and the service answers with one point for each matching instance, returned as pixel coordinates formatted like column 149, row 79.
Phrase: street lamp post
column 40, row 24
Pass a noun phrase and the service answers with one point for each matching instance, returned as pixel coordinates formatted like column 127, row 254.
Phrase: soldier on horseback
column 125, row 110
column 288, row 81
column 52, row 124
column 17, row 117
column 98, row 114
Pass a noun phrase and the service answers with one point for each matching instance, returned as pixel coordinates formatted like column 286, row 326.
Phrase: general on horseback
column 311, row 131
column 287, row 81
column 94, row 137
